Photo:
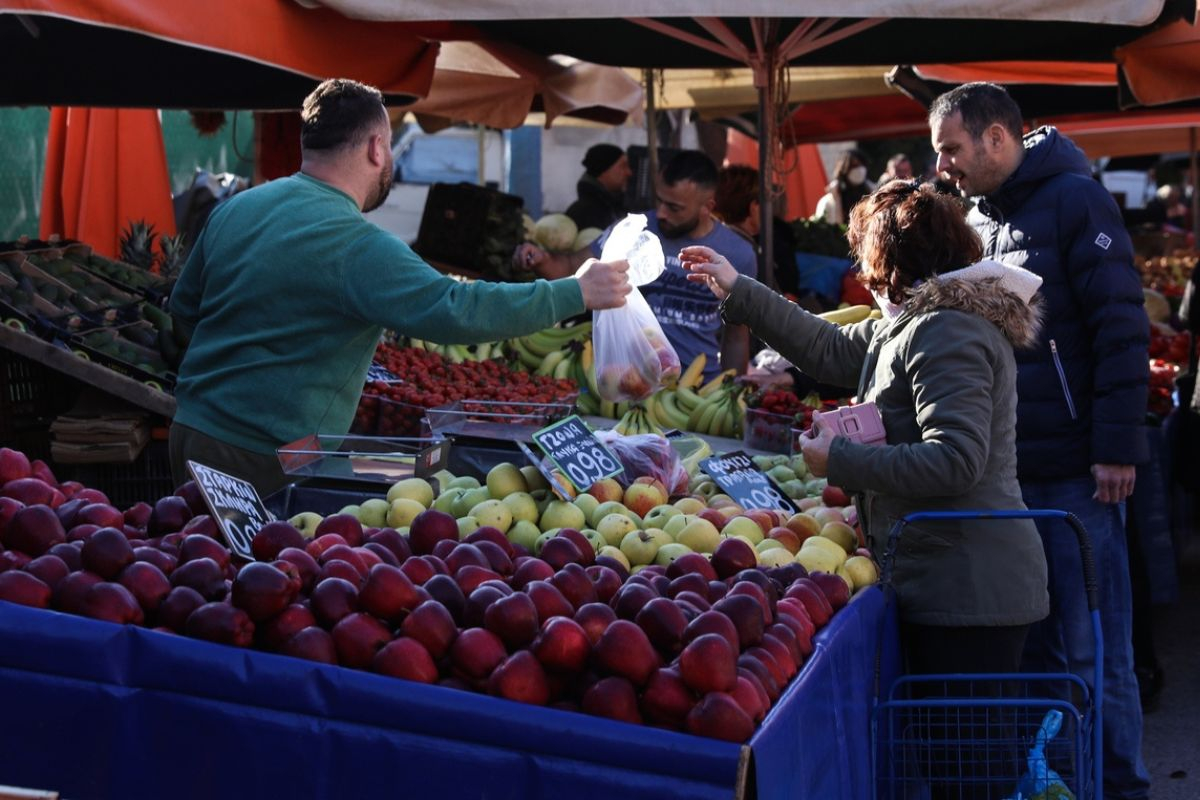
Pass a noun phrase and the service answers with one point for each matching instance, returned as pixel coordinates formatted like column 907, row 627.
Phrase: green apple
column 829, row 546
column 534, row 479
column 402, row 511
column 595, row 538
column 639, row 547
column 522, row 506
column 414, row 489
column 660, row 536
column 677, row 523
column 764, row 463
column 541, row 540
column 706, row 489
column 306, row 522
column 658, row 516
column 793, row 488
column 815, row 559
column 745, row 528
column 861, row 571
column 467, row 525
column 469, row 499
column 492, row 512
column 782, row 474
column 562, row 514
column 462, row 482
column 373, row 512
column 769, row 544
column 690, row 505
column 614, row 527
column 445, row 500
column 614, row 552
column 351, row 509
column 504, row 479
column 443, row 478
column 841, row 533
column 524, row 533
column 798, row 466
column 587, row 504
column 669, row 552
column 700, row 535
column 611, row 507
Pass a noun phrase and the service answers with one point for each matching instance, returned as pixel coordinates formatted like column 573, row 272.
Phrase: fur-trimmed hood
column 1009, row 301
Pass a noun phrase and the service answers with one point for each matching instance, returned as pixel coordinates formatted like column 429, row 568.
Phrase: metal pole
column 481, row 139
column 651, row 135
column 1195, row 199
column 764, row 80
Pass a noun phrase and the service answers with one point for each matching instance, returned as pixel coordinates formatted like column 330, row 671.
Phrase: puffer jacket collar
column 1019, row 320
column 1047, row 153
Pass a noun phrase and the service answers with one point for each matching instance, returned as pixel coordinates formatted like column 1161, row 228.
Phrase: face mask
column 856, row 176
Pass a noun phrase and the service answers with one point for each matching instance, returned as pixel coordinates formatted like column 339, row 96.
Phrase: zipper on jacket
column 1062, row 377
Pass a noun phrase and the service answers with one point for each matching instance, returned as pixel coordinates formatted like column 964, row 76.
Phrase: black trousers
column 188, row 444
column 956, row 761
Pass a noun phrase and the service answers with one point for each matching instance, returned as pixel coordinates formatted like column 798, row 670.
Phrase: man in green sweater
column 288, row 289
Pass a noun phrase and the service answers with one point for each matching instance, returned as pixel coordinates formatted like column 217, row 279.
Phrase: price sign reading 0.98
column 749, row 486
column 235, row 504
column 577, row 453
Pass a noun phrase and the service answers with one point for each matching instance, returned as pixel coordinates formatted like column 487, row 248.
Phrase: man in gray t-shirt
column 687, row 311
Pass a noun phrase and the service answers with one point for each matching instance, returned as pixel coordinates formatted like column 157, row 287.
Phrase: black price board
column 578, row 454
column 235, row 505
column 377, row 372
column 749, row 486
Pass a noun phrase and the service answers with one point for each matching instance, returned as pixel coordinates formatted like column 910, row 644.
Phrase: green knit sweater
column 288, row 289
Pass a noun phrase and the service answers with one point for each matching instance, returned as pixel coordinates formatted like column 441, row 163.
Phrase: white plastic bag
column 633, row 356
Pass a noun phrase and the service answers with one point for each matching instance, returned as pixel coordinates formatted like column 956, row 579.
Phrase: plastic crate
column 763, row 430
column 147, row 479
column 31, row 396
column 463, row 224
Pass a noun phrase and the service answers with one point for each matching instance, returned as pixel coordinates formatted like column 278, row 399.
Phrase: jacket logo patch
column 1103, row 241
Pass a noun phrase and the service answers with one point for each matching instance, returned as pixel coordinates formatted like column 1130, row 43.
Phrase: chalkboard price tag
column 235, row 504
column 749, row 486
column 578, row 454
column 376, row 372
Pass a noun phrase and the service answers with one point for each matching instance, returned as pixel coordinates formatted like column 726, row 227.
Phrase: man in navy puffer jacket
column 1081, row 390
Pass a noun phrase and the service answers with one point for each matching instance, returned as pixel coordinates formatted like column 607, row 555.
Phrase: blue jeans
column 1063, row 641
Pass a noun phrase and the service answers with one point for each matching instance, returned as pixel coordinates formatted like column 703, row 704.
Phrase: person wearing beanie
column 601, row 190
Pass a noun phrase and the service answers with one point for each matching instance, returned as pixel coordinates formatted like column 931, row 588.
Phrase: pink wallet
column 860, row 423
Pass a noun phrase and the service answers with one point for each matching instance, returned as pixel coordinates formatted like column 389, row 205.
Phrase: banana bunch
column 636, row 421
column 458, row 353
column 848, row 315
column 532, row 351
column 718, row 413
column 672, row 406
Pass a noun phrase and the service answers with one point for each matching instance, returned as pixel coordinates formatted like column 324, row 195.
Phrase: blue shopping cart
column 998, row 735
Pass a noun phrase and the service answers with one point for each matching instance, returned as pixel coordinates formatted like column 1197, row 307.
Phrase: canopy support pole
column 1195, row 199
column 764, row 64
column 651, row 134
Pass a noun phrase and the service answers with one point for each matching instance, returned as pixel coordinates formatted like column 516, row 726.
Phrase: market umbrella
column 220, row 54
column 105, row 167
column 1162, row 66
column 498, row 85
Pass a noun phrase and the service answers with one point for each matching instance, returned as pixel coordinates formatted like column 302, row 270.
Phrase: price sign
column 578, row 454
column 749, row 486
column 235, row 504
column 376, row 372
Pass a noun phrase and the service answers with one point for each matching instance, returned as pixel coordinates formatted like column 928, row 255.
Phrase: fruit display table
column 97, row 710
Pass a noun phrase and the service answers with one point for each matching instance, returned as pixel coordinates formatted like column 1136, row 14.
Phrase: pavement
column 1171, row 731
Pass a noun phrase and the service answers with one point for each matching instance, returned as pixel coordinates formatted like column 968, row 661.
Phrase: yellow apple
column 659, row 515
column 861, row 571
column 825, row 515
column 669, row 552
column 612, row 507
column 445, row 500
column 675, row 524
column 829, row 546
column 593, row 536
column 372, row 513
column 467, row 525
column 522, row 506
column 562, row 514
column 493, row 512
column 504, row 479
column 534, row 479
column 745, row 527
column 462, row 482
column 463, row 504
column 414, row 489
column 689, row 505
column 614, row 527
column 771, row 544
column 587, row 504
column 639, row 547
column 402, row 511
column 614, row 553
column 524, row 533
column 660, row 536
column 841, row 533
column 815, row 559
column 774, row 557
column 306, row 522
column 803, row 525
column 700, row 535
column 606, row 489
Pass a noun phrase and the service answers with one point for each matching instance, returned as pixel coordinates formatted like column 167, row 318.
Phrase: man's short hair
column 981, row 105
column 340, row 113
column 690, row 165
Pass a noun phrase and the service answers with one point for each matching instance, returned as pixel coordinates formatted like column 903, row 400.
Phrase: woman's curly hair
column 907, row 231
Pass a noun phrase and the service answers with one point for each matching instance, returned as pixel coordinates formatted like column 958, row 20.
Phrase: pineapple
column 174, row 253
column 137, row 244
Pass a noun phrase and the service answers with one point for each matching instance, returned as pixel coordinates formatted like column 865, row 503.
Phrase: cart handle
column 1085, row 545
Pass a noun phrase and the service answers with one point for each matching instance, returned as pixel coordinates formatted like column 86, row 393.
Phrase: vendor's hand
column 528, row 257
column 604, row 283
column 706, row 265
column 1114, row 482
column 815, row 446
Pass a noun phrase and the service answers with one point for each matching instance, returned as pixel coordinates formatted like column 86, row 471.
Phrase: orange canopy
column 803, row 184
column 104, row 167
column 1163, row 66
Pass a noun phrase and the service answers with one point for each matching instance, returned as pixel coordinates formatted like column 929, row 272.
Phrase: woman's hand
column 706, row 265
column 815, row 447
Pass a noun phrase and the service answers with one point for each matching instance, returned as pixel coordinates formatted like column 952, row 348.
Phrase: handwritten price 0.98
column 589, row 466
column 767, row 498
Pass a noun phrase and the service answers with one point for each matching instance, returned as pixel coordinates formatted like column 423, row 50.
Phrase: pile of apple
column 701, row 643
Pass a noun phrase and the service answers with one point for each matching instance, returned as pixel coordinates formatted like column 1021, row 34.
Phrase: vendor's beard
column 382, row 189
column 676, row 231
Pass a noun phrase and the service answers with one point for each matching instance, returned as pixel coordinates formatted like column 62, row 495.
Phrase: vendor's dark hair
column 906, row 231
column 340, row 113
column 690, row 165
column 737, row 189
column 981, row 104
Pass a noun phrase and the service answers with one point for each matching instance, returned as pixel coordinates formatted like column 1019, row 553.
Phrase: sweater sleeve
column 949, row 365
column 386, row 283
column 820, row 349
column 1107, row 287
column 184, row 302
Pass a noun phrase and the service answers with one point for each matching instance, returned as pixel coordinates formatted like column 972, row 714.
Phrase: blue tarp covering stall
column 95, row 710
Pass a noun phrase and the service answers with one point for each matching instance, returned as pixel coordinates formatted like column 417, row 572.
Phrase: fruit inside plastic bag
column 633, row 356
column 648, row 454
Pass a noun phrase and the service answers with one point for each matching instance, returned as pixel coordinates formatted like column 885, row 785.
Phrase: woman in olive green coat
column 939, row 366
